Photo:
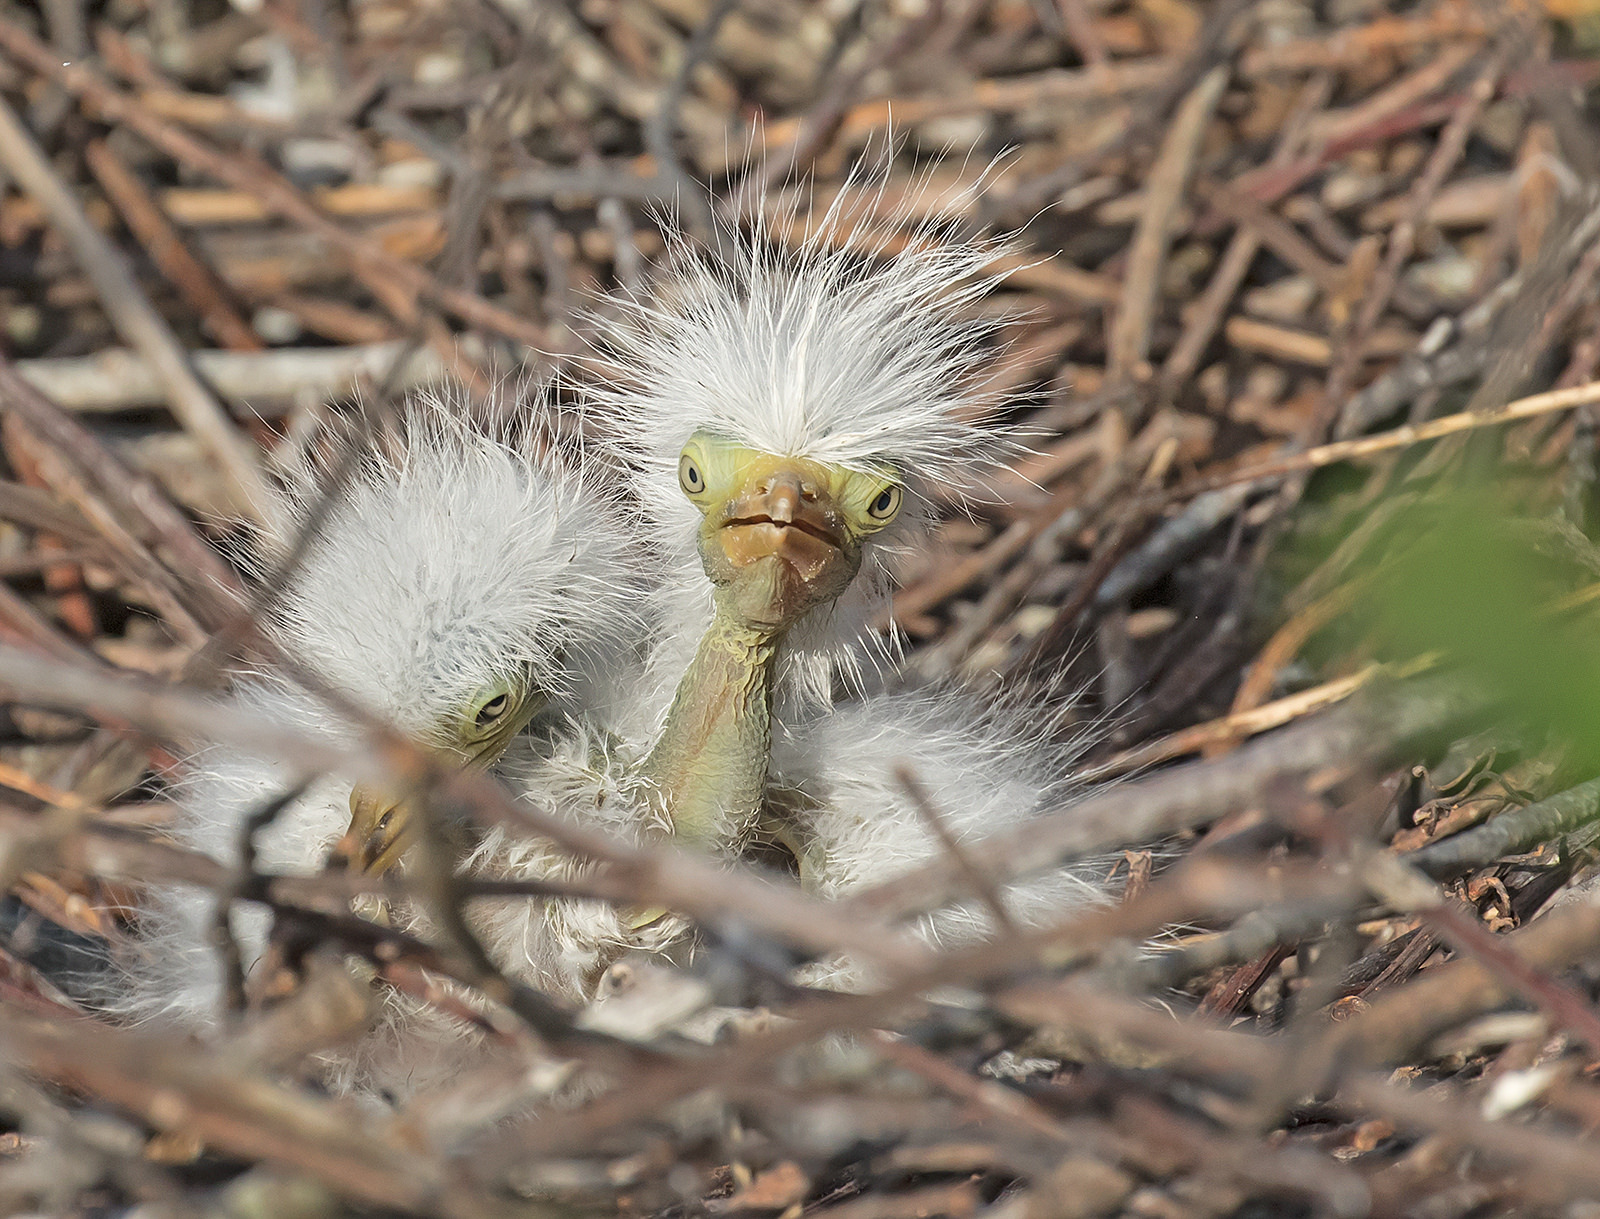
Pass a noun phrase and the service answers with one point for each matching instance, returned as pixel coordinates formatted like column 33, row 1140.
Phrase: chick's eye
column 492, row 710
column 886, row 505
column 689, row 476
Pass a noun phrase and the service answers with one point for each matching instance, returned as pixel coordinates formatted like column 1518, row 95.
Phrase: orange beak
column 781, row 545
column 783, row 509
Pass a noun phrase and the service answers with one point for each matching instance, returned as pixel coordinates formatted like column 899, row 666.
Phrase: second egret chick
column 467, row 588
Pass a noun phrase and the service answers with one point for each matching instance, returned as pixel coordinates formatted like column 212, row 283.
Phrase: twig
column 945, row 582
column 1057, row 86
column 1350, row 47
column 1003, row 594
column 1168, row 545
column 985, row 888
column 1208, row 310
column 590, row 63
column 1145, row 810
column 393, row 281
column 1402, row 238
column 21, row 623
column 1229, row 728
column 1257, row 933
column 1113, row 546
column 1128, row 340
column 226, row 942
column 1081, row 29
column 20, row 780
column 1561, row 1163
column 200, row 208
column 1288, row 639
column 987, row 1096
column 1401, row 437
column 1048, row 531
column 173, row 1085
column 1277, row 234
column 176, row 260
column 661, row 124
column 1511, row 833
column 1149, row 113
column 116, row 380
column 132, row 314
column 1208, row 889
column 214, row 590
column 789, row 145
column 1407, row 889
column 1402, row 94
column 1408, row 1017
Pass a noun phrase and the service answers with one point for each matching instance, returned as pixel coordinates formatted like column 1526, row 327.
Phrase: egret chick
column 792, row 417
column 467, row 588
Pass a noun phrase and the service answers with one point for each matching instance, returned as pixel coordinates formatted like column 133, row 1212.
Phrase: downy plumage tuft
column 987, row 763
column 459, row 555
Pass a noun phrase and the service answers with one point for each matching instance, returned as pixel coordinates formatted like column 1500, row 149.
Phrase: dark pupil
column 885, row 498
column 693, row 473
column 492, row 708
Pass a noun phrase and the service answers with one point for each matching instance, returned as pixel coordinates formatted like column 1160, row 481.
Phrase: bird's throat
column 709, row 766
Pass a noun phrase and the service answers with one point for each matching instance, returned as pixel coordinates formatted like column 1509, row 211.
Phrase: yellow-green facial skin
column 781, row 535
column 382, row 819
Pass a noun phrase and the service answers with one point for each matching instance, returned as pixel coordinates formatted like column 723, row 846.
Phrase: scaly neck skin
column 709, row 766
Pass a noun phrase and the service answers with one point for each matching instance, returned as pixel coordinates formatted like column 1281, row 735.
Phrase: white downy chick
column 824, row 360
column 464, row 584
column 816, row 353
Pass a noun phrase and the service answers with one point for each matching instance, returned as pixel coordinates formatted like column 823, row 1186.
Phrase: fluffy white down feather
column 987, row 766
column 174, row 971
column 584, row 773
column 461, row 555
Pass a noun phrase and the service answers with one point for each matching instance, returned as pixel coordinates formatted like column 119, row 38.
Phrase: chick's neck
column 709, row 766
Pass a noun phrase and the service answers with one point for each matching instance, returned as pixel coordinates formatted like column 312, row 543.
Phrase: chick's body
column 984, row 764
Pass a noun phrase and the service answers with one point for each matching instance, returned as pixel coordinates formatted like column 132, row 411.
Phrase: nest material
column 1255, row 239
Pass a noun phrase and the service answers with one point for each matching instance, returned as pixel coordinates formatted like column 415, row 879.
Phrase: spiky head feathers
column 459, row 558
column 817, row 354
